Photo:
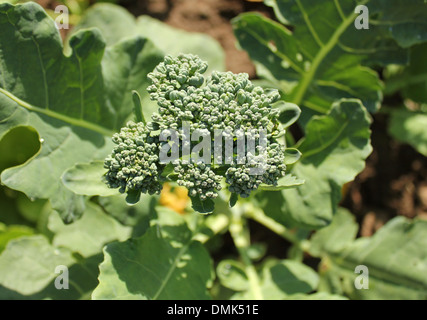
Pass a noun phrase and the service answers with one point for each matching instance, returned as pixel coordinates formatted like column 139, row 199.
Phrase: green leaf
column 24, row 141
column 32, row 210
column 336, row 236
column 134, row 215
column 395, row 257
column 27, row 271
column 139, row 116
column 232, row 275
column 334, row 152
column 74, row 102
column 8, row 233
column 88, row 179
column 289, row 113
column 204, row 207
column 287, row 277
column 116, row 24
column 404, row 20
column 283, row 279
column 157, row 266
column 322, row 59
column 287, row 182
column 412, row 81
column 410, row 127
column 133, row 196
column 292, row 155
column 88, row 235
column 233, row 199
column 27, row 265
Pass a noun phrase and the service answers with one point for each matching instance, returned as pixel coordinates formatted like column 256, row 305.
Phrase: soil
column 394, row 182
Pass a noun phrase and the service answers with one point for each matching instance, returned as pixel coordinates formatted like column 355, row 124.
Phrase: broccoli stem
column 242, row 243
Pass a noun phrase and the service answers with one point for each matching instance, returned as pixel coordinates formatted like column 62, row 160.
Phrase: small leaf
column 87, row 179
column 136, row 98
column 205, row 207
column 233, row 199
column 257, row 250
column 232, row 275
column 292, row 155
column 289, row 113
column 133, row 196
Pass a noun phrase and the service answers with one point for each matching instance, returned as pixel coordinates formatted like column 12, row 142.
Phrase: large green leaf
column 320, row 61
column 410, row 127
column 88, row 235
column 164, row 264
column 116, row 24
column 333, row 152
column 88, row 179
column 395, row 257
column 27, row 271
column 74, row 102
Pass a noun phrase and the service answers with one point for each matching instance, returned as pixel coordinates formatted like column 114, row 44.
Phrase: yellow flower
column 175, row 198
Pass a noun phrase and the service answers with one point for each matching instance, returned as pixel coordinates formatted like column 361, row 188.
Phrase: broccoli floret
column 199, row 179
column 222, row 101
column 134, row 162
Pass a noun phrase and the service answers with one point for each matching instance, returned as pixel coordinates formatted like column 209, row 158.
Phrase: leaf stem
column 323, row 52
column 258, row 216
column 242, row 242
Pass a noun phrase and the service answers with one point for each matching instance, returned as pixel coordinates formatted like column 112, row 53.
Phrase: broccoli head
column 222, row 105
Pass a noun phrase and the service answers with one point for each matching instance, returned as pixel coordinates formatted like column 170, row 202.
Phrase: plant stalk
column 242, row 243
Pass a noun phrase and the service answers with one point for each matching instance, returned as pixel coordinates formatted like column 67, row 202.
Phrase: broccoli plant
column 221, row 106
column 93, row 128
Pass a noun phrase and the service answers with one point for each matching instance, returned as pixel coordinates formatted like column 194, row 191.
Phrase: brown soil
column 394, row 182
